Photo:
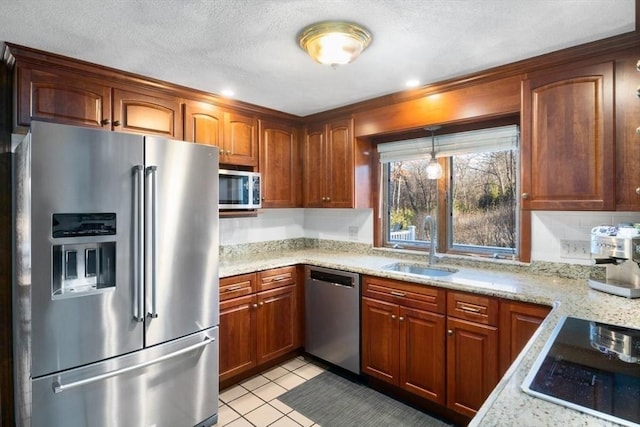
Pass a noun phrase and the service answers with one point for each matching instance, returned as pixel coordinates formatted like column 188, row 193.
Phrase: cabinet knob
column 401, row 318
column 105, row 122
column 525, row 196
column 638, row 130
column 328, row 199
column 450, row 332
column 255, row 305
column 228, row 152
column 116, row 123
column 261, row 303
column 638, row 191
column 393, row 316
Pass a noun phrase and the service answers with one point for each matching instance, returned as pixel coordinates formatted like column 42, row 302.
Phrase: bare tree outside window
column 482, row 208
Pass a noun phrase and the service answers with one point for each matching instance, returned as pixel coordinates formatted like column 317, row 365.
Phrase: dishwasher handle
column 336, row 279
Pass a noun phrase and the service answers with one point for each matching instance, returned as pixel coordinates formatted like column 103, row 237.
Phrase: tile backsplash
column 550, row 229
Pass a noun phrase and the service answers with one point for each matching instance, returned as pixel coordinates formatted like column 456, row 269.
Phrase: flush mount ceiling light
column 434, row 170
column 334, row 42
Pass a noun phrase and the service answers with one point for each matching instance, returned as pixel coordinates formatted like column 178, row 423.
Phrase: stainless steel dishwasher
column 332, row 315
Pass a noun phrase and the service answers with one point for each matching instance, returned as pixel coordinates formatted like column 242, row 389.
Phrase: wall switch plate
column 576, row 249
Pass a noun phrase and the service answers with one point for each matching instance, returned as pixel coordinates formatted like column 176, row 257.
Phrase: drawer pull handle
column 398, row 294
column 233, row 288
column 469, row 309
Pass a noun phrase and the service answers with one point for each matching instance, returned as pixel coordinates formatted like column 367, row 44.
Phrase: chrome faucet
column 428, row 220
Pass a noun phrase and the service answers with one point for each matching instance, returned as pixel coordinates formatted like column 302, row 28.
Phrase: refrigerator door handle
column 138, row 263
column 152, row 171
column 59, row 388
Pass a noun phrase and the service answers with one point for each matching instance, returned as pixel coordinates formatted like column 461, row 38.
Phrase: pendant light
column 434, row 170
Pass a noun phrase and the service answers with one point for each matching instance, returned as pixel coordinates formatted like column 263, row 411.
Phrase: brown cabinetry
column 335, row 165
column 258, row 319
column 472, row 350
column 518, row 323
column 568, row 145
column 403, row 336
column 279, row 165
column 59, row 96
column 627, row 132
column 235, row 134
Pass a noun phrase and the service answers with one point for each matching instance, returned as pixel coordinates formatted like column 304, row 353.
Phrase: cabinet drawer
column 276, row 278
column 237, row 286
column 404, row 293
column 476, row 308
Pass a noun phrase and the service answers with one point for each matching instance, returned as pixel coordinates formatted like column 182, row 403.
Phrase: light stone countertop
column 507, row 405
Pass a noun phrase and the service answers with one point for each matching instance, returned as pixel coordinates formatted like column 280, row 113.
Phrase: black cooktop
column 592, row 367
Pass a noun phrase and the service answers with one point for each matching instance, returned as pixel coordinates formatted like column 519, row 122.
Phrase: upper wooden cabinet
column 279, row 165
column 236, row 134
column 627, row 134
column 146, row 112
column 203, row 123
column 70, row 98
column 60, row 97
column 336, row 167
column 241, row 139
column 568, row 145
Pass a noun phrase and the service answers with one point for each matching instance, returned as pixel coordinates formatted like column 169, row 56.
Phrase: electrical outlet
column 576, row 249
column 353, row 232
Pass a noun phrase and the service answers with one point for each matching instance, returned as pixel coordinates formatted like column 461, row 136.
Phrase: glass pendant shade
column 334, row 43
column 434, row 170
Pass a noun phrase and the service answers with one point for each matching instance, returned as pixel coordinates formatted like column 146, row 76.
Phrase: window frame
column 444, row 219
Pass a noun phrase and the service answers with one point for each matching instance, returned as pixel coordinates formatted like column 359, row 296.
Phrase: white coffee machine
column 619, row 249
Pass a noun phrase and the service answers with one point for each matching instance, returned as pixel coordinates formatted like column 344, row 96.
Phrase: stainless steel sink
column 420, row 270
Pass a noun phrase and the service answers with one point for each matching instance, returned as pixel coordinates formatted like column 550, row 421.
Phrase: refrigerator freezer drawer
column 173, row 385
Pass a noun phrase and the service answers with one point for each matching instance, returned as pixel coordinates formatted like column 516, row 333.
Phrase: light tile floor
column 254, row 402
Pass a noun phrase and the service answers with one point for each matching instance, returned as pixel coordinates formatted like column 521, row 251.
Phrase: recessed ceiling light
column 228, row 93
column 413, row 83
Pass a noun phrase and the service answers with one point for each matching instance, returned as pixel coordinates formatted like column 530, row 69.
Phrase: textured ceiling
column 250, row 46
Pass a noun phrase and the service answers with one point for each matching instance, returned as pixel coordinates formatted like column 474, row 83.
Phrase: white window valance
column 475, row 141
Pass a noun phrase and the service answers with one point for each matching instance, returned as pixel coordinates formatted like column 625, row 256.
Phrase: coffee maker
column 619, row 249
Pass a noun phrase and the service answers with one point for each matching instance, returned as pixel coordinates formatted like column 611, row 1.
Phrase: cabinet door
column 241, row 142
column 422, row 353
column 203, row 123
column 339, row 177
column 314, row 170
column 568, row 139
column 237, row 336
column 518, row 322
column 62, row 98
column 277, row 322
column 380, row 357
column 279, row 165
column 147, row 112
column 627, row 146
column 472, row 364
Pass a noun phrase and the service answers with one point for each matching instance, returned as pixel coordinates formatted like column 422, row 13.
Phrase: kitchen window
column 475, row 203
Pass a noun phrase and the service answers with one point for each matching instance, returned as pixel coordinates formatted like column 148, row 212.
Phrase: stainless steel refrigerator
column 116, row 280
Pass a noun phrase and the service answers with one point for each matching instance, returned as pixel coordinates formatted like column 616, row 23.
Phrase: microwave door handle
column 138, row 268
column 153, row 171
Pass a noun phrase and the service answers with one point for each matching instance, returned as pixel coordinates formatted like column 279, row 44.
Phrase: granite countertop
column 507, row 405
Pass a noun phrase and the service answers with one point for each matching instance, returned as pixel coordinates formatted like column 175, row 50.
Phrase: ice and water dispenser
column 83, row 265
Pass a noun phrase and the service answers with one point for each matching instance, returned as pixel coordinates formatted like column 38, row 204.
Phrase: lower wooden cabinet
column 472, row 350
column 401, row 344
column 257, row 326
column 472, row 364
column 446, row 346
column 518, row 322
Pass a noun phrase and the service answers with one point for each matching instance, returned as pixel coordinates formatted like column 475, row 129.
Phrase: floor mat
column 333, row 401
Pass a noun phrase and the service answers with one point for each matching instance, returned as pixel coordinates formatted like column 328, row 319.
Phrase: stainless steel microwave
column 239, row 190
